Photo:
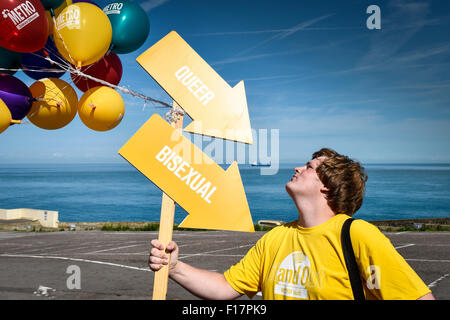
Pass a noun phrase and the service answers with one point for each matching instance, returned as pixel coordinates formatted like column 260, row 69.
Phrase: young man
column 304, row 259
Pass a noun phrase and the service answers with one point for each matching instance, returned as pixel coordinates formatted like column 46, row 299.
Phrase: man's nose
column 299, row 169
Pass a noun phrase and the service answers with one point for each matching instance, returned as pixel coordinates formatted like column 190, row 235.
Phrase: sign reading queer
column 217, row 109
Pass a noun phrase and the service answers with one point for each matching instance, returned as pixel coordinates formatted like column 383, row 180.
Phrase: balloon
column 37, row 61
column 82, row 34
column 88, row 1
column 51, row 4
column 23, row 25
column 109, row 69
column 5, row 117
column 50, row 22
column 57, row 104
column 58, row 10
column 16, row 95
column 101, row 108
column 10, row 60
column 130, row 25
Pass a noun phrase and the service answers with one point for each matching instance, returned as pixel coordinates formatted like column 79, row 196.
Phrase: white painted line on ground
column 82, row 247
column 16, row 244
column 435, row 282
column 116, row 253
column 199, row 243
column 224, row 255
column 75, row 259
column 116, row 248
column 133, row 233
column 424, row 233
column 208, row 252
column 405, row 246
column 427, row 260
column 42, row 248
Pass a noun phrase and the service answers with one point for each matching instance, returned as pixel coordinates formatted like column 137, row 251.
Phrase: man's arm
column 202, row 283
column 428, row 296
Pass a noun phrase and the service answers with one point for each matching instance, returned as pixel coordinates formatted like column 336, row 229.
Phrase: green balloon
column 9, row 60
column 51, row 4
column 130, row 25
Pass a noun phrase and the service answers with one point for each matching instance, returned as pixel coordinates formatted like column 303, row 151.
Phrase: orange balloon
column 56, row 106
column 101, row 108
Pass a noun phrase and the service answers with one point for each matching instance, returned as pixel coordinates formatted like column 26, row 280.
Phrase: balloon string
column 78, row 72
column 62, row 40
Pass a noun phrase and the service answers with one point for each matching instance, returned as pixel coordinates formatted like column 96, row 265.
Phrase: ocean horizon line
column 221, row 164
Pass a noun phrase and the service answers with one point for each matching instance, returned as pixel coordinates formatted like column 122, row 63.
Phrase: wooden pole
column 165, row 233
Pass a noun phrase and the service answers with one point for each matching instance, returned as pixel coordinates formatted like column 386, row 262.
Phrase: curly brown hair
column 345, row 180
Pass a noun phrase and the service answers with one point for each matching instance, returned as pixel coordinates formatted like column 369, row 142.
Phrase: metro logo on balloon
column 69, row 18
column 23, row 25
column 82, row 34
column 21, row 15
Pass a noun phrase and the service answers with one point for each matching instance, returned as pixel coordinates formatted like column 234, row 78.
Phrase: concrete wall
column 47, row 218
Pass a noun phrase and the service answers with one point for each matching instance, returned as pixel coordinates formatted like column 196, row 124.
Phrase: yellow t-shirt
column 291, row 262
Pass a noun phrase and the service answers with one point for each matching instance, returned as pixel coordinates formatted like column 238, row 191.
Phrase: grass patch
column 423, row 228
column 126, row 227
column 155, row 227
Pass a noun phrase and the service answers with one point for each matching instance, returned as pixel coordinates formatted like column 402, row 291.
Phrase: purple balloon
column 37, row 61
column 16, row 95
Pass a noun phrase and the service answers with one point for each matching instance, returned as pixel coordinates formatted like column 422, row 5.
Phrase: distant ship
column 259, row 164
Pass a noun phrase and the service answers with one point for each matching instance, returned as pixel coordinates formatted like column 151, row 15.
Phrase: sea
column 118, row 192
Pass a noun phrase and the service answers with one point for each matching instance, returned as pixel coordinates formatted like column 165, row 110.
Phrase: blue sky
column 311, row 69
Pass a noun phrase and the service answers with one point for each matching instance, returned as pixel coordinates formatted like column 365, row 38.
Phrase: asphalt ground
column 114, row 265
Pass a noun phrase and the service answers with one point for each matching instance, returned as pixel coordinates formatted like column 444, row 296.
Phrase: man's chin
column 288, row 188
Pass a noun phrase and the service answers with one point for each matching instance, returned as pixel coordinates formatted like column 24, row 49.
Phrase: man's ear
column 324, row 190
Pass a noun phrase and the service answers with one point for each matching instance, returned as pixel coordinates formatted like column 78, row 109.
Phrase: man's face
column 305, row 181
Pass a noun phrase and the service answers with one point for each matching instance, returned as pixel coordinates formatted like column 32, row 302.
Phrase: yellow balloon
column 56, row 12
column 56, row 106
column 82, row 34
column 5, row 116
column 101, row 108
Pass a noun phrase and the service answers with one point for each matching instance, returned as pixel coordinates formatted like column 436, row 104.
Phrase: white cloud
column 152, row 4
column 393, row 36
column 287, row 33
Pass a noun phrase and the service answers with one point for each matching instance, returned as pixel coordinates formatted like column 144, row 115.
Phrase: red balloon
column 108, row 68
column 23, row 25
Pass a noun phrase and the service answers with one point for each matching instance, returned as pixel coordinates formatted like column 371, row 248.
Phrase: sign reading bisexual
column 213, row 197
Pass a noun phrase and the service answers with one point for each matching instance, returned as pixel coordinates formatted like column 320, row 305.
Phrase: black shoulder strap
column 350, row 261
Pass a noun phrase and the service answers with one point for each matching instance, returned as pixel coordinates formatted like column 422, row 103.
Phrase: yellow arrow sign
column 217, row 109
column 213, row 197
